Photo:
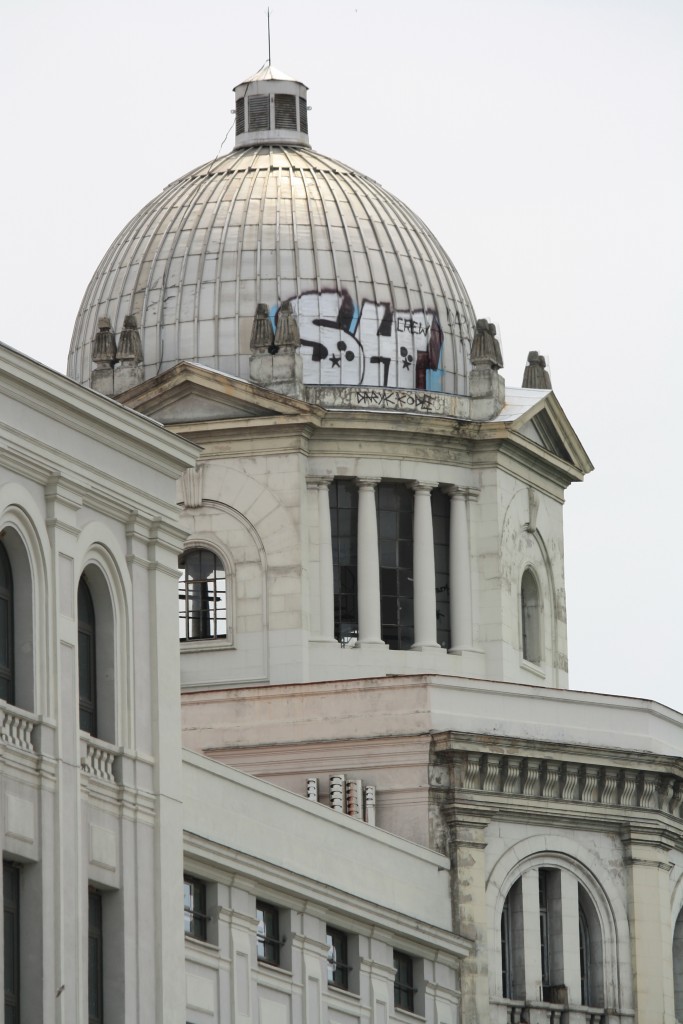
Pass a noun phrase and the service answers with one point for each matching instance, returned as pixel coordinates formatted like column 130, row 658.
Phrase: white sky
column 541, row 141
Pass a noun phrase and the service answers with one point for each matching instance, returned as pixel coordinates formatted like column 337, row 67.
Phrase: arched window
column 87, row 662
column 202, row 596
column 531, row 618
column 569, row 951
column 6, row 629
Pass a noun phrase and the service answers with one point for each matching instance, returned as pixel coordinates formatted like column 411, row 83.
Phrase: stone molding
column 571, row 781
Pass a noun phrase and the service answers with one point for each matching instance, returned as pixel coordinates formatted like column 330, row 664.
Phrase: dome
column 376, row 298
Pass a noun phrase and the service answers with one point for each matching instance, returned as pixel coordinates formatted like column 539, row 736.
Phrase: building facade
column 330, row 669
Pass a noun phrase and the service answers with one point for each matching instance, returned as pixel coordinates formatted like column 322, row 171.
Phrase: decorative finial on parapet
column 262, row 334
column 486, row 347
column 287, row 333
column 104, row 358
column 275, row 360
column 487, row 387
column 535, row 373
column 104, row 344
column 130, row 346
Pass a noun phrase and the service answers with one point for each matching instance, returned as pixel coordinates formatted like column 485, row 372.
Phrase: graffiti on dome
column 375, row 345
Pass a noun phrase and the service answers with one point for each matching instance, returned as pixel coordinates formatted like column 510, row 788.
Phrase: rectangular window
column 195, row 907
column 344, row 523
column 259, row 113
column 404, row 991
column 337, row 958
column 95, row 959
column 10, row 881
column 268, row 942
column 441, row 520
column 285, row 111
column 395, row 529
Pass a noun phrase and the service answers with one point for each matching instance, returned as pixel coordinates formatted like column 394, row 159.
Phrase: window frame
column 338, row 966
column 95, row 958
column 208, row 620
column 268, row 941
column 7, row 672
column 531, row 618
column 11, row 892
column 404, row 981
column 194, row 908
column 87, row 665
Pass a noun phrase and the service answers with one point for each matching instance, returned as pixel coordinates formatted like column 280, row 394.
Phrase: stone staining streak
column 374, row 345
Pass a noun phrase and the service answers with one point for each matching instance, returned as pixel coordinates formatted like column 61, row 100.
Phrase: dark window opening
column 95, row 959
column 337, row 958
column 344, row 524
column 194, row 902
column 202, row 596
column 303, row 115
column 10, row 882
column 441, row 521
column 87, row 678
column 404, row 992
column 268, row 943
column 531, row 618
column 584, row 958
column 6, row 629
column 285, row 111
column 259, row 113
column 239, row 116
column 395, row 530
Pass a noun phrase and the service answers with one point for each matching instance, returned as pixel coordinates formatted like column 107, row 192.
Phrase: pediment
column 190, row 393
column 538, row 421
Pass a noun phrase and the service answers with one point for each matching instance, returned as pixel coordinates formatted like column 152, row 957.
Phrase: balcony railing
column 98, row 759
column 16, row 727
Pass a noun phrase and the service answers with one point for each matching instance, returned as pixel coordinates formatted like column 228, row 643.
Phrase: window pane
column 343, row 496
column 202, row 596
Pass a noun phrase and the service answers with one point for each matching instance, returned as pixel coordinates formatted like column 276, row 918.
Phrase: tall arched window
column 202, row 596
column 6, row 629
column 570, row 949
column 87, row 662
column 531, row 618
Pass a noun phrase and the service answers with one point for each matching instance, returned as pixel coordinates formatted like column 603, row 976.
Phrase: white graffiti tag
column 375, row 345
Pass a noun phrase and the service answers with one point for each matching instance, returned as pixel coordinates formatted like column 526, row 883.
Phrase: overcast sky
column 541, row 141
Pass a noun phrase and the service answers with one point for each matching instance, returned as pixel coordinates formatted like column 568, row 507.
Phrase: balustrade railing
column 16, row 728
column 98, row 760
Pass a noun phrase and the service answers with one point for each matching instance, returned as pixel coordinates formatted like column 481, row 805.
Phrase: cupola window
column 259, row 113
column 303, row 115
column 285, row 111
column 239, row 117
column 531, row 618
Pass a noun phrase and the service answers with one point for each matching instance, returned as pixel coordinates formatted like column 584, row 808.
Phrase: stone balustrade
column 16, row 728
column 98, row 761
column 512, row 775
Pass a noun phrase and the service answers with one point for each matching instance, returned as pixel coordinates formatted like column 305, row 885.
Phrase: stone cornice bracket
column 533, row 510
column 192, row 487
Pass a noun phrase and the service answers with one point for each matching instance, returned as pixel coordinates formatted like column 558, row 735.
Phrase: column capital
column 324, row 480
column 466, row 493
column 422, row 485
column 367, row 482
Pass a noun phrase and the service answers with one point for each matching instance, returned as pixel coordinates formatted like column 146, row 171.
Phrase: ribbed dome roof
column 377, row 300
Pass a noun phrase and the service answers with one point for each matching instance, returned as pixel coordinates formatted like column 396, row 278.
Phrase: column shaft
column 369, row 617
column 460, row 585
column 424, row 577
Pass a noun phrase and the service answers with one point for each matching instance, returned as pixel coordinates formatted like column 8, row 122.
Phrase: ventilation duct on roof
column 285, row 111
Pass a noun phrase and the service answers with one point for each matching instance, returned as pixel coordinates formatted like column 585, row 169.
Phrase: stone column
column 467, row 841
column 649, row 911
column 369, row 615
column 424, row 577
column 325, row 595
column 460, row 575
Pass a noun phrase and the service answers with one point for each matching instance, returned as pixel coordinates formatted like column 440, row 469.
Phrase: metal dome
column 378, row 301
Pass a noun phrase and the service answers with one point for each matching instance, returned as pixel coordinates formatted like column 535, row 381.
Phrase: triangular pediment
column 536, row 420
column 191, row 393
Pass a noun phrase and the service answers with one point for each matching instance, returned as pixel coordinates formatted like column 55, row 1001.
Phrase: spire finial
column 268, row 16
